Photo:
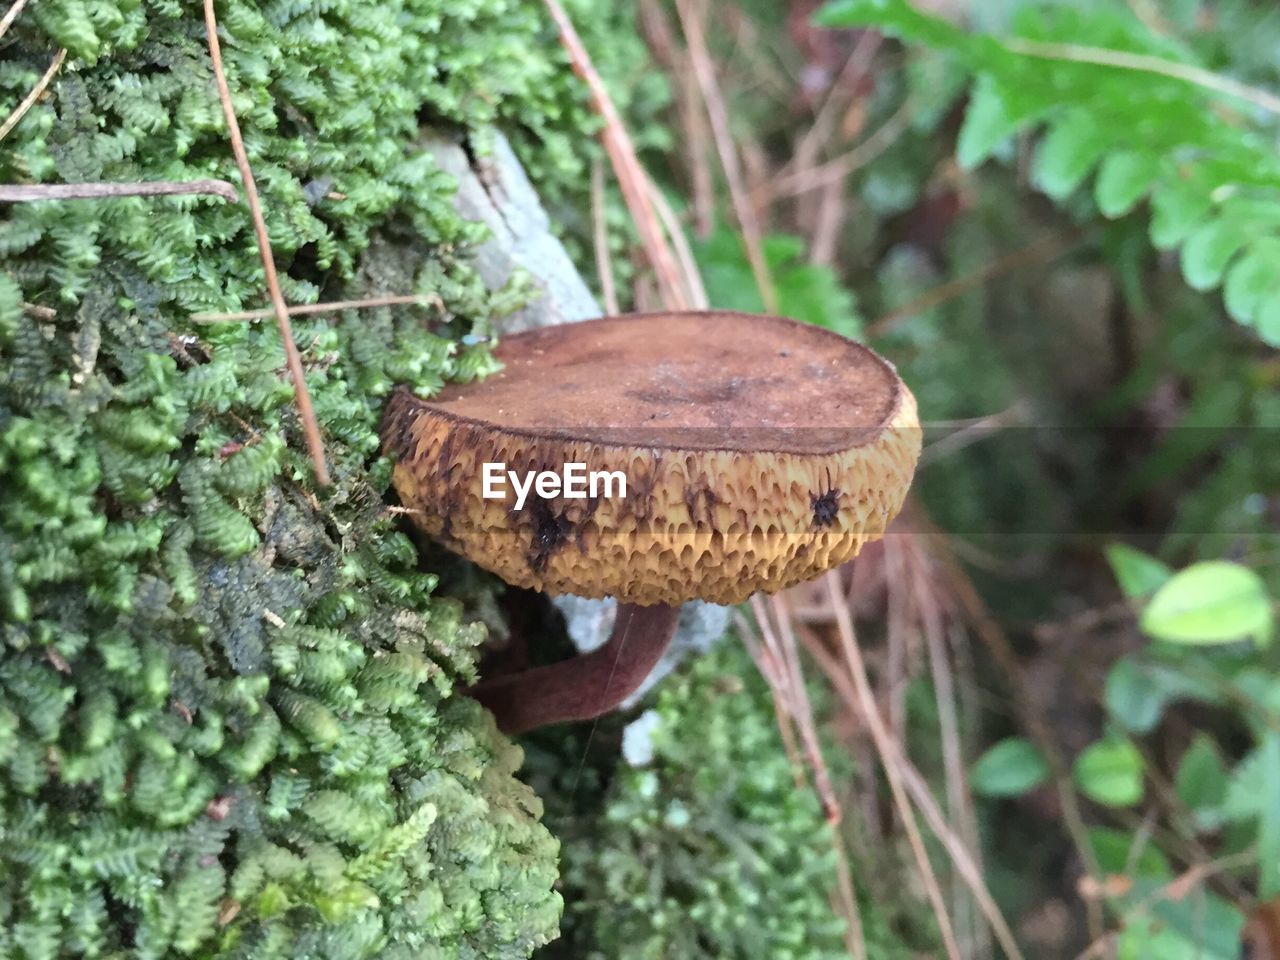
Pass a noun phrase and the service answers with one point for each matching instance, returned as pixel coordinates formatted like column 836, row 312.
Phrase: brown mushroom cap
column 758, row 452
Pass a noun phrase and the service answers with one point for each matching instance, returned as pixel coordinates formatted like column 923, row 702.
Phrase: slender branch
column 309, row 425
column 1047, row 247
column 704, row 72
column 1143, row 63
column 25, row 193
column 11, row 15
column 876, row 143
column 30, row 100
column 309, row 308
column 684, row 254
column 848, row 900
column 885, row 747
column 626, row 166
column 600, row 240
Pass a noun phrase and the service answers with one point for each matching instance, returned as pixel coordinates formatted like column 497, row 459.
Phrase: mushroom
column 757, row 453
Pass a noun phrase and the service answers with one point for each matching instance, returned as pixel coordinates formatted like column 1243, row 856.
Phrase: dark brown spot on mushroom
column 550, row 530
column 825, row 507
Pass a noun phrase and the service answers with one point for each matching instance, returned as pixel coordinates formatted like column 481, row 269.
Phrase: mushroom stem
column 587, row 685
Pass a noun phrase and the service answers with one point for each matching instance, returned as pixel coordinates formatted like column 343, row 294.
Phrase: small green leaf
column 1252, row 280
column 1201, row 781
column 1010, row 768
column 1134, row 696
column 1137, row 691
column 1067, row 153
column 987, row 124
column 1110, row 772
column 1208, row 250
column 1267, row 322
column 1123, row 180
column 1178, row 207
column 1137, row 573
column 1211, row 602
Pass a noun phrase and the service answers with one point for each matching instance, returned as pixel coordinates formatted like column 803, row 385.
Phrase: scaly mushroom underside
column 757, row 452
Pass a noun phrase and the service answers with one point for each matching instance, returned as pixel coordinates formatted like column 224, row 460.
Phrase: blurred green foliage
column 1152, row 417
column 806, row 292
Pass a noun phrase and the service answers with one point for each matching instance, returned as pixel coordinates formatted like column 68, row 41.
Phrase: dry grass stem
column 30, row 99
column 27, row 193
column 1045, row 248
column 997, row 644
column 311, row 428
column 693, row 122
column 684, row 254
column 913, row 783
column 11, row 15
column 876, row 143
column 779, row 663
column 770, row 669
column 626, row 166
column 835, row 103
column 886, row 748
column 600, row 241
column 959, row 801
column 802, row 709
column 713, row 101
column 430, row 299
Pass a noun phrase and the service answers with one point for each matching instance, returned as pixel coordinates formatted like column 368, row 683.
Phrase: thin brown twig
column 693, row 121
column 28, row 193
column 841, row 167
column 1176, row 890
column 766, row 662
column 11, row 15
column 886, row 748
column 30, row 99
column 722, row 136
column 959, row 801
column 979, row 429
column 966, row 863
column 802, row 709
column 1046, row 248
column 997, row 644
column 626, row 165
column 600, row 240
column 697, row 293
column 309, row 308
column 786, row 682
column 311, row 428
column 850, row 78
column 856, row 939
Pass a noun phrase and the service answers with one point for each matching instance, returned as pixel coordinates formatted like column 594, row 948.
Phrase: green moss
column 227, row 721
